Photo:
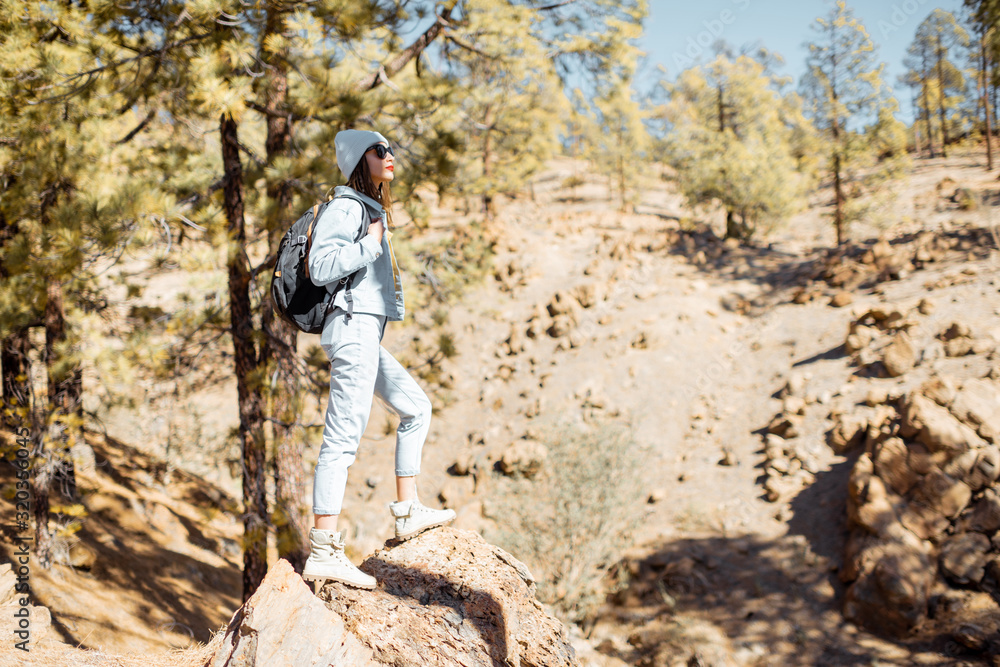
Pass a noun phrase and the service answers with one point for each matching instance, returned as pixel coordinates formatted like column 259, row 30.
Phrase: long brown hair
column 361, row 180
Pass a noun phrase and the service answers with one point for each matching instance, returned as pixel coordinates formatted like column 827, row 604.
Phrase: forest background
column 131, row 130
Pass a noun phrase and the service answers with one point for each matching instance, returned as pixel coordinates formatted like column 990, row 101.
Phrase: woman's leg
column 402, row 395
column 406, row 488
column 354, row 364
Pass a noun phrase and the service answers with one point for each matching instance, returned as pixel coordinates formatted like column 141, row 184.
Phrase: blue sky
column 677, row 30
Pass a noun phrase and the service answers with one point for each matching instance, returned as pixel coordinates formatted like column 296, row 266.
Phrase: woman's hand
column 376, row 228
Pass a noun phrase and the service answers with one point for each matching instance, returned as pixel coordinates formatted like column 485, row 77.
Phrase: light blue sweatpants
column 359, row 369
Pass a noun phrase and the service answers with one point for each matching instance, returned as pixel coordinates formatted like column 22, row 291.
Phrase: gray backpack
column 294, row 296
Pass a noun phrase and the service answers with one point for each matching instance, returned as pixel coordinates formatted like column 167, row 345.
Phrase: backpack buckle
column 302, row 239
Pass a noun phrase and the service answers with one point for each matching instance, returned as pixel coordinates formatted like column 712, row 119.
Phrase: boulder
column 859, row 338
column 977, row 403
column 562, row 303
column 783, row 425
column 940, row 389
column 283, row 623
column 958, row 347
column 984, row 516
column 444, row 598
column 447, row 597
column 523, row 457
column 976, row 467
column 958, row 340
column 561, row 325
column 899, row 356
column 890, row 594
column 841, row 299
column 963, row 558
column 943, row 493
column 925, row 522
column 892, row 463
column 848, row 431
column 936, row 427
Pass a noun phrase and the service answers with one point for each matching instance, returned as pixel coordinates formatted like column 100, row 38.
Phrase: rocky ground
column 770, row 390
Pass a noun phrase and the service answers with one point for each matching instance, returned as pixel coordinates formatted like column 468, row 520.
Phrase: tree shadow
column 478, row 606
column 781, row 594
column 781, row 272
column 128, row 561
column 475, row 601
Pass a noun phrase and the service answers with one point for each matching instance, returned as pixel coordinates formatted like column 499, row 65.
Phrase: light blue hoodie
column 334, row 255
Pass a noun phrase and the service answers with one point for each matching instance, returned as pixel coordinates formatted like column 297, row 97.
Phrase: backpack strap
column 346, row 280
column 309, row 235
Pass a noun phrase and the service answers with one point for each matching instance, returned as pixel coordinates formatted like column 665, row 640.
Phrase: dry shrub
column 575, row 519
column 60, row 655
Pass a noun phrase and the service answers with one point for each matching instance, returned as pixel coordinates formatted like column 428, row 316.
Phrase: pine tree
column 505, row 73
column 71, row 201
column 734, row 139
column 985, row 15
column 941, row 42
column 619, row 144
column 919, row 77
column 843, row 88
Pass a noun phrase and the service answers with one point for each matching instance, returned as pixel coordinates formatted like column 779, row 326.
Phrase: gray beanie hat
column 351, row 145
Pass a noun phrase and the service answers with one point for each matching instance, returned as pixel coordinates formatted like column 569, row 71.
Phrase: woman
column 359, row 366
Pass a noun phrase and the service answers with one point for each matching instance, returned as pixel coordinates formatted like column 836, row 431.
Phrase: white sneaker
column 412, row 517
column 327, row 561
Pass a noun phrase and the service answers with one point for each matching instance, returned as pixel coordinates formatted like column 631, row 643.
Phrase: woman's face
column 381, row 169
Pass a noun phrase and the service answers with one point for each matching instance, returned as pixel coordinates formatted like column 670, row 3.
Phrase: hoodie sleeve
column 333, row 253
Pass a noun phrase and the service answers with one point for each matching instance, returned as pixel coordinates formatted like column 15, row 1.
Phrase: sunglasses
column 381, row 150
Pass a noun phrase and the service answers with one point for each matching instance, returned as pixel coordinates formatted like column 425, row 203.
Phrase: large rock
column 523, row 457
column 444, row 598
column 936, row 427
column 899, row 356
column 892, row 462
column 894, row 578
column 283, row 623
column 977, row 404
column 849, row 431
column 963, row 558
column 447, row 597
column 923, row 505
column 943, row 493
column 985, row 514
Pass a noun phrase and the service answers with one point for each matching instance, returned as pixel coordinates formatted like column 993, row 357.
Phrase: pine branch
column 268, row 263
column 547, row 8
column 145, row 54
column 388, row 70
column 253, row 156
column 198, row 196
column 468, row 47
column 260, row 108
column 138, row 128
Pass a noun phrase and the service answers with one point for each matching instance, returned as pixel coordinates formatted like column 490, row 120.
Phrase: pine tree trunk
column 940, row 74
column 986, row 100
column 488, row 208
column 65, row 390
column 927, row 106
column 16, row 375
column 65, row 377
column 290, row 515
column 251, row 429
column 41, row 480
column 732, row 227
column 838, row 186
column 15, row 366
